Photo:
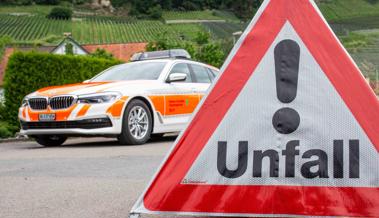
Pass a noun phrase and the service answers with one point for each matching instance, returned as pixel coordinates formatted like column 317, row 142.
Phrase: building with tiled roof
column 121, row 51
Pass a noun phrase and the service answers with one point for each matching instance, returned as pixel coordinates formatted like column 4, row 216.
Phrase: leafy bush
column 60, row 13
column 190, row 6
column 4, row 40
column 208, row 52
column 24, row 2
column 48, row 2
column 69, row 49
column 28, row 72
column 4, row 131
column 2, row 111
column 212, row 54
column 155, row 12
column 102, row 53
column 202, row 37
column 16, row 2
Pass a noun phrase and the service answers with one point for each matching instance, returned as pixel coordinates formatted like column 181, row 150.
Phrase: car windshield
column 132, row 71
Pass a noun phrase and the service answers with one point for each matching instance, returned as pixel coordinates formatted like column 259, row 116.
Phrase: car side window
column 212, row 73
column 201, row 74
column 182, row 68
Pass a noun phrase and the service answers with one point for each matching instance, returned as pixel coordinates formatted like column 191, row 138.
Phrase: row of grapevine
column 224, row 30
column 191, row 15
column 30, row 28
column 85, row 30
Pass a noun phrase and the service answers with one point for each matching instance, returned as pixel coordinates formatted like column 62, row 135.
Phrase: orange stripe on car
column 180, row 104
column 158, row 102
column 175, row 104
column 116, row 108
column 83, row 110
column 24, row 113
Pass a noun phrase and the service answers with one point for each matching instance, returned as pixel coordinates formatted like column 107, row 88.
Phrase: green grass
column 32, row 9
column 187, row 31
column 191, row 15
column 226, row 15
column 337, row 10
column 343, row 27
column 356, row 41
column 364, row 48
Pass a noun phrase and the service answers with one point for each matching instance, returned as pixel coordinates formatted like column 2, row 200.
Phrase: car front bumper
column 88, row 126
column 80, row 119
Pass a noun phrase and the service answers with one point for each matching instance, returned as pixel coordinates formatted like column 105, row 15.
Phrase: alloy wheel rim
column 138, row 122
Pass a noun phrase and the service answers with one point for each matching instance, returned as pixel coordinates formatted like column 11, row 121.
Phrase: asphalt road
column 83, row 178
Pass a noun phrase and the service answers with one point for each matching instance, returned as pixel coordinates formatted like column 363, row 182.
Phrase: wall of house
column 3, row 63
column 120, row 51
column 62, row 50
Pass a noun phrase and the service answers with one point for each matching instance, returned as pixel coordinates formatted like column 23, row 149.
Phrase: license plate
column 46, row 117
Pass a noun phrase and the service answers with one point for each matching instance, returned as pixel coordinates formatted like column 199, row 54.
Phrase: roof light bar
column 172, row 53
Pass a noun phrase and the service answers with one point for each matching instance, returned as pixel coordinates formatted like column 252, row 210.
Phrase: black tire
column 50, row 140
column 127, row 137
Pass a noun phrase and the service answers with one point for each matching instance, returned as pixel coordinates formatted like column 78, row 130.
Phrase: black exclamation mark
column 287, row 55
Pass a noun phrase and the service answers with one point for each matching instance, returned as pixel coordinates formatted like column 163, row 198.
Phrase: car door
column 202, row 78
column 182, row 97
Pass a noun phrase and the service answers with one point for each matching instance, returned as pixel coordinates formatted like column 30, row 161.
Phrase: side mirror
column 177, row 77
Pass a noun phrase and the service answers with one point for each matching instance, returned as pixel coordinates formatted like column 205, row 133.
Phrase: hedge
column 60, row 13
column 28, row 72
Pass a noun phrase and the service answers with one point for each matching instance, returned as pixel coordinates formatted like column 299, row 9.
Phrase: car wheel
column 50, row 140
column 137, row 124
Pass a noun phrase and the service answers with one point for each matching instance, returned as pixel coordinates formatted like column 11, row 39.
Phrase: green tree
column 47, row 2
column 155, row 12
column 60, row 13
column 69, row 49
column 202, row 37
column 4, row 40
column 212, row 54
column 102, row 53
column 161, row 43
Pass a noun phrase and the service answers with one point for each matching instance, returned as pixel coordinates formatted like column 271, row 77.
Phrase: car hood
column 95, row 87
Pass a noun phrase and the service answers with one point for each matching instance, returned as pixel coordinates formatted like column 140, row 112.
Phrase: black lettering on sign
column 321, row 163
column 242, row 160
column 338, row 158
column 290, row 154
column 274, row 162
column 354, row 158
column 315, row 166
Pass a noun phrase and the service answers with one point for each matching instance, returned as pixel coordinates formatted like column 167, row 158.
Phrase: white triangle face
column 324, row 117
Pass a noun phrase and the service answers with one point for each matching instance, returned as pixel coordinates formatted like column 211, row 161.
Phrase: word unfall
column 315, row 166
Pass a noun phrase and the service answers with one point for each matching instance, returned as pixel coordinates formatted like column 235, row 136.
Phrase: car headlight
column 24, row 102
column 98, row 98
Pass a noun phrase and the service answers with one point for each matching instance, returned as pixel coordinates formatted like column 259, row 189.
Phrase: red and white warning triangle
column 290, row 128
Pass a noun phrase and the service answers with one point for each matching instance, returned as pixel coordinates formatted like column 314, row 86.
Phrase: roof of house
column 71, row 40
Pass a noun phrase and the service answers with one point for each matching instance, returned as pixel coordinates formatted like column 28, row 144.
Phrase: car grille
column 80, row 124
column 38, row 103
column 56, row 103
column 61, row 102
